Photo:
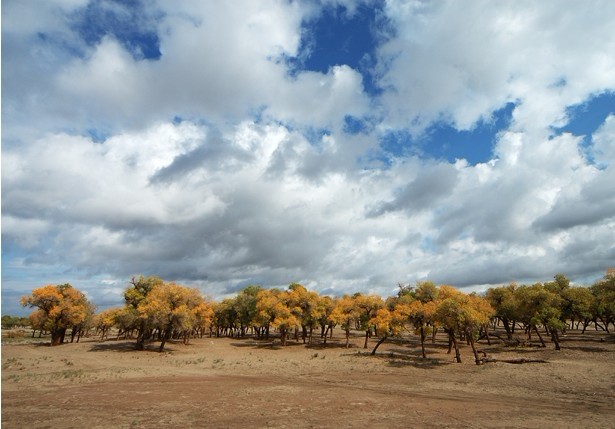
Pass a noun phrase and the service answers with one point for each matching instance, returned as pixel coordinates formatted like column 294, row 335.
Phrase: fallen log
column 487, row 359
column 513, row 361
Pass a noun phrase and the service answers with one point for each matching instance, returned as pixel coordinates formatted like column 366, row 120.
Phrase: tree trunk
column 555, row 338
column 606, row 324
column 471, row 337
column 283, row 336
column 366, row 337
column 141, row 337
column 487, row 333
column 423, row 341
column 164, row 337
column 57, row 335
column 378, row 344
column 542, row 342
column 454, row 340
column 347, row 337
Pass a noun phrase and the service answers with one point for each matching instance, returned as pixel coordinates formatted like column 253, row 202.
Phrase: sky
column 346, row 145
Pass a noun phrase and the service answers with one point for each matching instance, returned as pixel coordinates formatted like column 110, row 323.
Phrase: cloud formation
column 218, row 164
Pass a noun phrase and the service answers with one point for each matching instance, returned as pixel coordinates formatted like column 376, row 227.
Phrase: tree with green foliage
column 226, row 317
column 505, row 305
column 577, row 303
column 426, row 291
column 10, row 322
column 604, row 304
column 134, row 296
column 539, row 306
column 245, row 307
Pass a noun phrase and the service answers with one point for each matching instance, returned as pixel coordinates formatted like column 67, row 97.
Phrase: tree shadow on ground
column 39, row 344
column 401, row 358
column 127, row 346
column 273, row 343
column 270, row 344
column 331, row 345
column 599, row 337
column 520, row 349
column 586, row 349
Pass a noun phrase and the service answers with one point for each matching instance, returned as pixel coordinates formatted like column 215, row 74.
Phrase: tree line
column 156, row 310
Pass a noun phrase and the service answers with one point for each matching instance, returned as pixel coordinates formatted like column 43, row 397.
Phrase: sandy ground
column 232, row 383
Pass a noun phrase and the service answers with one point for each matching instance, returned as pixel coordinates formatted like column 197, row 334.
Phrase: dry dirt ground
column 232, row 383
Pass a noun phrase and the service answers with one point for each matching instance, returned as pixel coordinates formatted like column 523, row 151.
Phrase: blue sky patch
column 443, row 141
column 337, row 38
column 476, row 145
column 97, row 136
column 126, row 21
column 353, row 125
column 587, row 117
column 315, row 135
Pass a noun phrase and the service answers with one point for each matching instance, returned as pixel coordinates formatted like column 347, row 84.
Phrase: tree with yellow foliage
column 204, row 317
column 59, row 308
column 461, row 314
column 169, row 308
column 388, row 323
column 266, row 300
column 366, row 309
column 105, row 321
column 304, row 306
column 345, row 314
column 273, row 310
column 326, row 306
column 421, row 315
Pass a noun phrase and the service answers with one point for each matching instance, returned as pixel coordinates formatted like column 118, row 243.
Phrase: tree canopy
column 58, row 308
column 157, row 310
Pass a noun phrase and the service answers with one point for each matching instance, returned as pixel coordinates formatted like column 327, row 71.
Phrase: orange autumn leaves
column 159, row 310
column 59, row 308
